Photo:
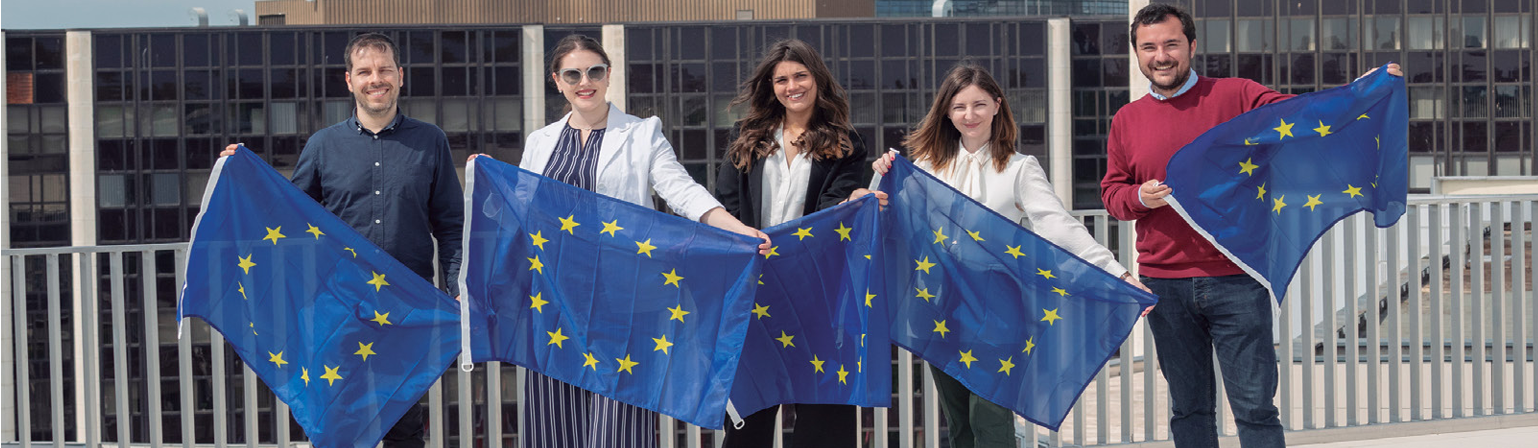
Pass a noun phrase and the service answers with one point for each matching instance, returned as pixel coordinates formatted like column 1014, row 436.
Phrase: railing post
column 1412, row 222
column 1498, row 308
column 148, row 278
column 1395, row 331
column 55, row 353
column 120, row 385
column 1456, row 246
column 1438, row 335
column 1356, row 273
column 1478, row 300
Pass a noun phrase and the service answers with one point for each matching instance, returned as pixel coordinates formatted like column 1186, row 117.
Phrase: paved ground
column 1511, row 437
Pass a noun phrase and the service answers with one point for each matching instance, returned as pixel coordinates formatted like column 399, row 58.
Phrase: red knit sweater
column 1144, row 135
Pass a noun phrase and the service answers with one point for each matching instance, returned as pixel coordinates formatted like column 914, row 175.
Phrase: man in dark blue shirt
column 390, row 177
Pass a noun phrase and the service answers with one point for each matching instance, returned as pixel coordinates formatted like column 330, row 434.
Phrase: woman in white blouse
column 968, row 141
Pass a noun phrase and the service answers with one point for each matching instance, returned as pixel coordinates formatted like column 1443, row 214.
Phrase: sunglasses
column 595, row 73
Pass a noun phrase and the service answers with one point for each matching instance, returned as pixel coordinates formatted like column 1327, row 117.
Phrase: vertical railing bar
column 494, row 404
column 1477, row 303
column 249, row 403
column 435, row 414
column 1325, row 256
column 1102, row 388
column 1355, row 274
column 1532, row 263
column 184, row 359
column 881, row 433
column 1126, row 378
column 1285, row 355
column 120, row 352
column 1456, row 244
column 1412, row 222
column 55, row 352
column 1150, row 386
column 1374, row 333
column 466, row 406
column 905, row 396
column 1103, row 236
column 148, row 275
column 693, row 435
column 1521, row 215
column 90, row 318
column 220, row 388
column 1306, row 293
column 23, row 377
column 1498, row 307
column 1435, row 317
column 1395, row 330
column 931, row 404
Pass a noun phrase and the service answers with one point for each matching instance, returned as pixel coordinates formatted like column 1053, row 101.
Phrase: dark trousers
column 974, row 422
column 407, row 433
column 816, row 425
column 1233, row 315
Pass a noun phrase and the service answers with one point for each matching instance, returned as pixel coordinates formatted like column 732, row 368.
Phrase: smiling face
column 1164, row 55
column 972, row 111
column 375, row 80
column 794, row 87
column 586, row 94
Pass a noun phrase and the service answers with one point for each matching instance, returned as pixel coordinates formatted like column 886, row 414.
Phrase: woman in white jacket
column 968, row 141
column 602, row 149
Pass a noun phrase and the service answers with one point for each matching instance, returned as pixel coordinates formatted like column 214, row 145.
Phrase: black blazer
column 831, row 182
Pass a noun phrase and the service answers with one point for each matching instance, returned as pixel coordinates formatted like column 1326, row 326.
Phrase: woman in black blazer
column 794, row 153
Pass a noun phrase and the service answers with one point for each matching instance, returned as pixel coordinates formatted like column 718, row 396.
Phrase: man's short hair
column 371, row 40
column 1157, row 13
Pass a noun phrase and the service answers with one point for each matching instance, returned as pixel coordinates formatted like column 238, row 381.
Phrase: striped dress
column 559, row 415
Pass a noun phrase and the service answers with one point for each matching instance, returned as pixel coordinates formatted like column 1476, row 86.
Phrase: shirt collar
column 1190, row 82
column 358, row 125
column 982, row 155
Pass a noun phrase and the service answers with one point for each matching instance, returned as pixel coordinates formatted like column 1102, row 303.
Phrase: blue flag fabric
column 343, row 333
column 1018, row 320
column 812, row 333
column 643, row 307
column 1267, row 184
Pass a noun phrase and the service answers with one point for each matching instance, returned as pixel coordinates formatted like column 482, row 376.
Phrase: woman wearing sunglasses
column 602, row 149
column 793, row 154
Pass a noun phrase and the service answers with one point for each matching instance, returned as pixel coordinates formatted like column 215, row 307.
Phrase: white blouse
column 784, row 184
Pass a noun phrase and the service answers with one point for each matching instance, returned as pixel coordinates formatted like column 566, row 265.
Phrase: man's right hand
column 1152, row 194
column 229, row 150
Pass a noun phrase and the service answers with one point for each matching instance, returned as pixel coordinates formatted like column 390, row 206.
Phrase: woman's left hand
column 861, row 192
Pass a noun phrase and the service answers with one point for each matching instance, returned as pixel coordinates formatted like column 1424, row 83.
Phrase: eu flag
column 639, row 306
column 344, row 334
column 1267, row 184
column 812, row 331
column 1018, row 320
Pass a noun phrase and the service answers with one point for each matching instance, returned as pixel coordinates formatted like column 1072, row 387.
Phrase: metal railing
column 1431, row 319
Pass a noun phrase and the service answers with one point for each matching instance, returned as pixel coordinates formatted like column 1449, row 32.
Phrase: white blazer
column 634, row 160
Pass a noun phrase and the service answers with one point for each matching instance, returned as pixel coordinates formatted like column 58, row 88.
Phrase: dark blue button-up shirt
column 397, row 187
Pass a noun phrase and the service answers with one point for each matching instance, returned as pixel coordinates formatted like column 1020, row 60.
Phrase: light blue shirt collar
column 1190, row 82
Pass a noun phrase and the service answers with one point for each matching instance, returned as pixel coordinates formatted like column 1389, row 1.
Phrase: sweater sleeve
column 1119, row 188
column 1034, row 195
column 1256, row 95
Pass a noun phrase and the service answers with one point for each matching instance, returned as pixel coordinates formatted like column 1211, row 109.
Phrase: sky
column 70, row 14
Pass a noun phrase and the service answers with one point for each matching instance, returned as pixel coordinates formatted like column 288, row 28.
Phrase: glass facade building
column 995, row 8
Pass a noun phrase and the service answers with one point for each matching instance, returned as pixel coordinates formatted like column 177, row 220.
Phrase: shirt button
column 376, row 221
column 376, row 192
column 376, row 163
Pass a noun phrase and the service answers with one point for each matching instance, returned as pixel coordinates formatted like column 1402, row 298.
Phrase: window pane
column 285, row 118
column 1508, row 102
column 1425, row 33
column 54, row 118
column 1216, row 37
column 1337, row 33
column 1512, row 31
column 1386, row 33
column 509, row 115
column 336, row 111
column 113, row 193
column 109, row 121
column 1302, row 37
column 1427, row 103
column 1473, row 32
column 1253, row 36
column 165, row 121
column 1474, row 101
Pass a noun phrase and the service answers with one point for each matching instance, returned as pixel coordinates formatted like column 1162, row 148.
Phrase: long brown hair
column 936, row 139
column 827, row 133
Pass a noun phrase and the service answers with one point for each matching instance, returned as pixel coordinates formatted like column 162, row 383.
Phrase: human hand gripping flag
column 1265, row 185
column 1018, row 320
column 344, row 334
column 636, row 305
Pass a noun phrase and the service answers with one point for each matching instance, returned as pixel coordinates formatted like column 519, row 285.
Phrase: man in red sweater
column 1205, row 300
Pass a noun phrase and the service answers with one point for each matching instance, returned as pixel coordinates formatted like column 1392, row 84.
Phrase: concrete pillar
column 614, row 45
column 80, row 94
column 1060, row 109
column 1136, row 83
column 534, row 86
column 7, row 365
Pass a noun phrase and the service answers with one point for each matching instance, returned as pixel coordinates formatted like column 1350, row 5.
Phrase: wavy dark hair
column 827, row 133
column 937, row 140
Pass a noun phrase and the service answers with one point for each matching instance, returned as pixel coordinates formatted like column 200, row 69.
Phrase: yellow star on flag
column 538, row 239
column 1030, row 344
column 626, row 364
column 242, row 289
column 538, row 302
column 1323, row 129
column 272, row 234
column 1247, row 142
column 246, row 264
column 1005, row 365
column 774, row 250
column 1051, row 316
column 1246, row 167
column 966, row 358
column 843, row 231
column 611, row 227
column 569, row 223
column 678, row 313
column 1285, row 130
column 1352, row 192
column 1045, row 273
column 940, row 235
column 349, row 249
column 314, row 231
column 940, row 328
column 536, row 265
column 923, row 293
column 1013, row 250
column 1277, row 204
column 590, row 361
column 304, row 374
column 924, row 264
column 786, row 339
column 662, row 344
column 276, row 358
column 1362, row 117
column 1313, row 201
column 760, row 279
column 330, row 376
column 761, row 310
column 378, row 281
column 802, row 233
column 842, row 374
column 817, row 364
column 1261, row 194
column 557, row 338
column 1060, row 291
column 976, row 236
column 381, row 319
column 868, row 296
column 253, row 328
column 672, row 278
column 644, row 247
column 364, row 350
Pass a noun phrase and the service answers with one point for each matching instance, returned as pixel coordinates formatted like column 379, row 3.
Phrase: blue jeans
column 1233, row 315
